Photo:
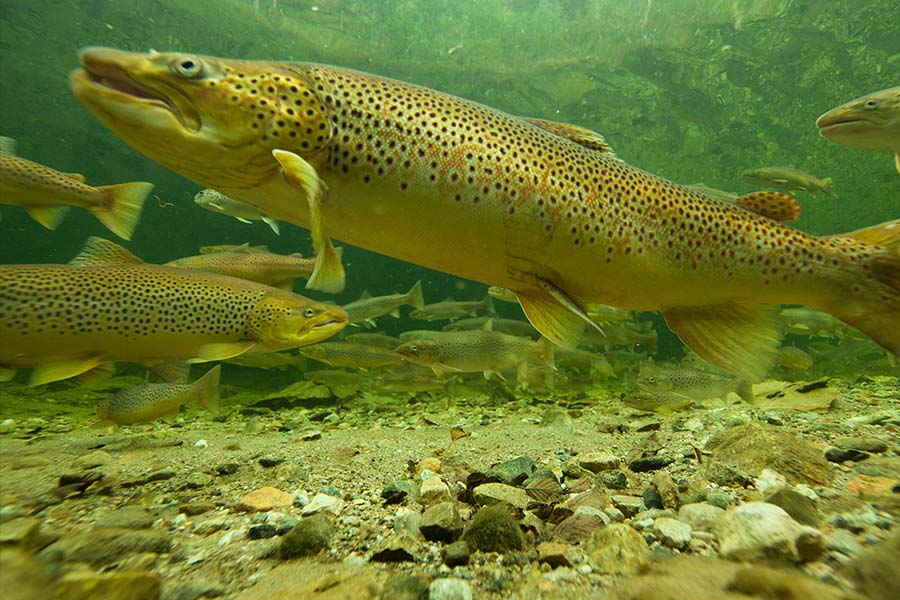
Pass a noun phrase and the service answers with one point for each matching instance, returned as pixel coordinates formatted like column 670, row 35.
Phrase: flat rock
column 323, row 503
column 758, row 530
column 400, row 546
column 22, row 576
column 617, row 549
column 456, row 554
column 801, row 508
column 700, row 515
column 308, row 537
column 553, row 554
column 265, row 499
column 595, row 462
column 800, row 396
column 309, row 578
column 433, row 490
column 103, row 546
column 752, row 447
column 449, row 588
column 514, row 471
column 672, row 532
column 127, row 517
column 22, row 532
column 500, row 493
column 109, row 586
column 441, row 523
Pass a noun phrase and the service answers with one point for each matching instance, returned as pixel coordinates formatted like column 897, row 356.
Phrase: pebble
column 651, row 498
column 210, row 526
column 399, row 492
column 650, row 463
column 839, row 455
column 201, row 444
column 197, row 480
column 431, row 463
column 844, row 542
column 801, row 508
column 699, row 515
column 309, row 536
column 614, row 479
column 270, row 461
column 553, row 554
column 264, row 499
column 769, row 481
column 500, row 493
column 455, row 554
column 433, row 490
column 596, row 462
column 227, row 468
column 400, row 546
column 441, row 523
column 514, row 471
column 261, row 531
column 323, row 503
column 7, row 426
column 629, row 505
column 757, row 530
column 672, row 532
column 449, row 588
column 871, row 445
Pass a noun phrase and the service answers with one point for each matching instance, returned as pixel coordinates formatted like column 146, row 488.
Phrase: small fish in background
column 793, row 359
column 150, row 401
column 664, row 403
column 46, row 194
column 789, row 178
column 583, row 360
column 108, row 305
column 608, row 314
column 450, row 309
column 368, row 308
column 480, row 351
column 516, row 327
column 352, row 355
column 381, row 340
column 277, row 270
column 871, row 122
column 625, row 334
column 695, row 384
column 807, row 322
column 217, row 202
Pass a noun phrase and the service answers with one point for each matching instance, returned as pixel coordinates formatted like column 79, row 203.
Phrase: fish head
column 215, row 121
column 283, row 320
column 871, row 122
column 422, row 352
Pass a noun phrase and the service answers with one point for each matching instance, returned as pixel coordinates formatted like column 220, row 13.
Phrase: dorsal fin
column 7, row 145
column 576, row 133
column 774, row 205
column 100, row 252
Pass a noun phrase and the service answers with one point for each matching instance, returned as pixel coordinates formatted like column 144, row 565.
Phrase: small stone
column 514, row 471
column 757, row 530
column 699, row 515
column 553, row 554
column 866, row 484
column 559, row 419
column 581, row 525
column 500, row 493
column 431, row 463
column 201, row 444
column 449, row 588
column 197, row 480
column 22, row 532
column 309, row 536
column 210, row 526
column 78, row 585
column 227, row 469
column 7, row 426
column 456, row 554
column 270, row 461
column 801, row 508
column 667, row 488
column 441, row 523
column 127, row 517
column 629, row 505
column 650, row 463
column 672, row 532
column 400, row 546
column 844, row 542
column 161, row 475
column 839, row 455
column 433, row 490
column 719, row 499
column 614, row 479
column 617, row 549
column 493, row 529
column 400, row 587
column 103, row 546
column 871, row 445
column 92, row 460
column 193, row 509
column 310, row 436
column 261, row 531
column 265, row 499
column 769, row 481
column 323, row 503
column 399, row 492
column 651, row 498
column 595, row 462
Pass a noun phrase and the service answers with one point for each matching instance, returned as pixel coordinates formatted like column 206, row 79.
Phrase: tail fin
column 207, row 389
column 876, row 309
column 415, row 297
column 123, row 211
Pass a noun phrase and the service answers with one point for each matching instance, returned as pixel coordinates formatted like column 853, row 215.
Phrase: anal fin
column 64, row 369
column 554, row 313
column 741, row 339
column 48, row 216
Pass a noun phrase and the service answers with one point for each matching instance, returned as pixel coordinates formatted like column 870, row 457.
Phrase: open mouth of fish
column 116, row 82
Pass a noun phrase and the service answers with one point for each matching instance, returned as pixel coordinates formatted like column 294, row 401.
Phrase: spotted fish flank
column 65, row 320
column 459, row 187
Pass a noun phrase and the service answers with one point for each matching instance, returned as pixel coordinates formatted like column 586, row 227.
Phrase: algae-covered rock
column 752, row 447
column 308, row 537
column 494, row 530
column 617, row 549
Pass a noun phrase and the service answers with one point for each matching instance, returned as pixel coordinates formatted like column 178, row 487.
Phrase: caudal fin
column 123, row 209
column 875, row 310
column 415, row 298
column 207, row 389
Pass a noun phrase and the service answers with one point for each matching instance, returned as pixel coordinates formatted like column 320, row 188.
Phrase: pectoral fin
column 55, row 371
column 7, row 374
column 740, row 339
column 554, row 313
column 48, row 216
column 221, row 351
column 243, row 220
column 328, row 274
column 273, row 224
column 897, row 161
column 97, row 375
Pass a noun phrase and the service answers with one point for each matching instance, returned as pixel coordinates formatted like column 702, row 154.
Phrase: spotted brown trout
column 544, row 209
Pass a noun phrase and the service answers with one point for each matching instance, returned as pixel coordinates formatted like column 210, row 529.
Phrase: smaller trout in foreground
column 213, row 201
column 871, row 123
column 352, row 355
column 367, row 309
column 789, row 178
column 696, row 384
column 277, row 270
column 47, row 193
column 664, row 403
column 150, row 401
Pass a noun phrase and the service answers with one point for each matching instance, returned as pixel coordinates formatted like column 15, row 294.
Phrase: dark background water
column 693, row 90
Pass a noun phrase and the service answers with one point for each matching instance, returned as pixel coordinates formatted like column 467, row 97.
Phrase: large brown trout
column 544, row 209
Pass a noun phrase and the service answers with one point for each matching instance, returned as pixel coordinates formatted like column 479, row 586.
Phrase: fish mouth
column 830, row 122
column 101, row 77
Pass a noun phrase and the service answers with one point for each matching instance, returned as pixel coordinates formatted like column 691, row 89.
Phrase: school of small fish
column 578, row 248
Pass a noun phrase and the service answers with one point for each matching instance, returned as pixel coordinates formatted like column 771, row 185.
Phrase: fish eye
column 187, row 67
column 871, row 104
column 413, row 348
column 309, row 313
